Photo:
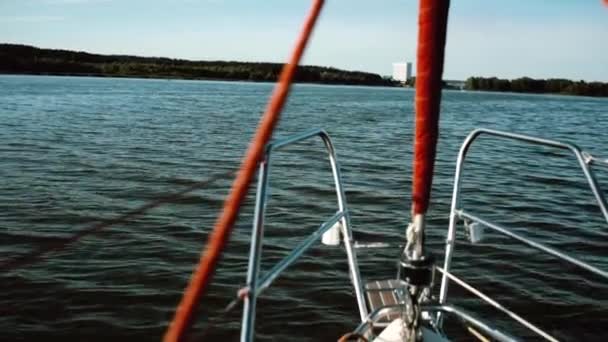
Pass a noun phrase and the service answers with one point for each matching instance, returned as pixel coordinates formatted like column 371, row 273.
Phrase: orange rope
column 432, row 25
column 223, row 226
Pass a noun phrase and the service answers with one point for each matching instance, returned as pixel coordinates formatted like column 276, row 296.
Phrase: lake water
column 77, row 150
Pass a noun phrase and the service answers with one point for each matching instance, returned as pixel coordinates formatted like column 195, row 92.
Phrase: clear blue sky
column 506, row 38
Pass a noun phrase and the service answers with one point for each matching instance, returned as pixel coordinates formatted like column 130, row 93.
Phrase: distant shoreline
column 25, row 59
column 169, row 78
column 527, row 85
column 29, row 60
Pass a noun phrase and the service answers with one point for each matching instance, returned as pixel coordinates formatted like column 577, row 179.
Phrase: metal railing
column 257, row 284
column 584, row 160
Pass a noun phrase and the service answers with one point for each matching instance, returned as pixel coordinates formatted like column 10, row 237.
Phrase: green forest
column 24, row 59
column 530, row 85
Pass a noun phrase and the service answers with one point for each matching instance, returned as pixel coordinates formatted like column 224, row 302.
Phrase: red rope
column 223, row 226
column 432, row 25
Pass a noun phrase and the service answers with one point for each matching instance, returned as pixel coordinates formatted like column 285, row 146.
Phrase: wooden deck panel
column 381, row 293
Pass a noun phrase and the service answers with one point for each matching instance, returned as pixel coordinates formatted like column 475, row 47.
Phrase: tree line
column 530, row 85
column 24, row 59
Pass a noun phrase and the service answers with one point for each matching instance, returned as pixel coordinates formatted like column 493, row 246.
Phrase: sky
column 502, row 38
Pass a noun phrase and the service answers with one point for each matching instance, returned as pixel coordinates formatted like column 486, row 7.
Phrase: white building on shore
column 402, row 72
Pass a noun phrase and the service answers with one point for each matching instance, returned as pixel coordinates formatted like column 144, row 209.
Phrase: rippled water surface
column 74, row 151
